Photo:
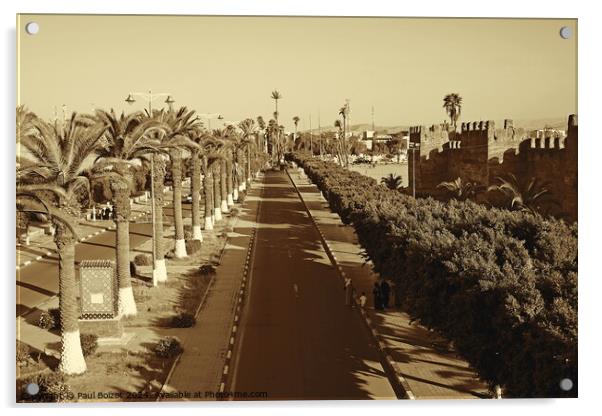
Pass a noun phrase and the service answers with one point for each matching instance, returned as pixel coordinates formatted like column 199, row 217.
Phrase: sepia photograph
column 276, row 208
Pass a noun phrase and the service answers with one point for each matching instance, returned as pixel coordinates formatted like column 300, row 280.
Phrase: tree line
column 61, row 161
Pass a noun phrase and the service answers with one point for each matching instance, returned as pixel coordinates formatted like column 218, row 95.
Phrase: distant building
column 382, row 137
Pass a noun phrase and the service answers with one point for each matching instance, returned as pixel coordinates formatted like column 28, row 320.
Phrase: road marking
column 234, row 329
column 229, row 355
column 225, row 370
column 231, row 340
column 296, row 289
column 222, row 386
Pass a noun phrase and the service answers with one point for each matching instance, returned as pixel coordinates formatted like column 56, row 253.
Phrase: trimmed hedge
column 502, row 285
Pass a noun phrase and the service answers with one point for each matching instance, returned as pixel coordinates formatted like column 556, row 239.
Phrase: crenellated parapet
column 429, row 138
column 549, row 143
column 436, row 133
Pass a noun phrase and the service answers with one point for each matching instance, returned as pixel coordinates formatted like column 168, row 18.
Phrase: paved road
column 39, row 281
column 298, row 340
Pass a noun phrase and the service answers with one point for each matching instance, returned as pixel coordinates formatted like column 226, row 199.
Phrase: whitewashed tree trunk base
column 160, row 271
column 196, row 233
column 224, row 207
column 127, row 304
column 230, row 200
column 72, row 357
column 240, row 188
column 244, row 186
column 235, row 194
column 208, row 223
column 218, row 214
column 180, row 250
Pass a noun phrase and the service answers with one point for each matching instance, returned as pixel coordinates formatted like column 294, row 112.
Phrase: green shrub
column 50, row 319
column 143, row 260
column 23, row 354
column 207, row 269
column 501, row 285
column 168, row 347
column 193, row 246
column 89, row 344
column 183, row 320
column 52, row 388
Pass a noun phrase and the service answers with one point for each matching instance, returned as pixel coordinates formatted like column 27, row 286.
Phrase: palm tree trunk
column 249, row 177
column 196, row 196
column 230, row 180
column 224, row 185
column 121, row 196
column 208, row 188
column 160, row 270
column 72, row 358
column 217, row 192
column 176, row 174
column 236, row 179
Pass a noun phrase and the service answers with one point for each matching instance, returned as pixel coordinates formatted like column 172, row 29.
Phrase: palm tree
column 392, row 182
column 198, row 159
column 209, row 154
column 48, row 181
column 276, row 96
column 183, row 125
column 127, row 140
column 461, row 190
column 225, row 169
column 25, row 121
column 522, row 196
column 343, row 112
column 261, row 125
column 339, row 125
column 296, row 120
column 453, row 107
column 247, row 128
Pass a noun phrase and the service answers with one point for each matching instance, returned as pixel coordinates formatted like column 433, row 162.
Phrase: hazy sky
column 503, row 68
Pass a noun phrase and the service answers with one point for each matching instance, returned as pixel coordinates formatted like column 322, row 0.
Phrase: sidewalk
column 428, row 367
column 207, row 345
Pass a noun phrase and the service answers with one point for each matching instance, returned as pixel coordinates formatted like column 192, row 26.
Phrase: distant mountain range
column 528, row 124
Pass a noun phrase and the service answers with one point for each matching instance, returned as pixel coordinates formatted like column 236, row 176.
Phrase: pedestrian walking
column 348, row 291
column 385, row 293
column 363, row 300
column 378, row 305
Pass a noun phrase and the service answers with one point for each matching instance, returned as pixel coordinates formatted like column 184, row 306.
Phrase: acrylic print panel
column 197, row 198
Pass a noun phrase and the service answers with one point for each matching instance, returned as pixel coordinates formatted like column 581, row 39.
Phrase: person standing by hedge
column 376, row 291
column 385, row 290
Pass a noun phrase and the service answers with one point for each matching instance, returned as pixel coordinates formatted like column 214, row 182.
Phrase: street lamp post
column 159, row 271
